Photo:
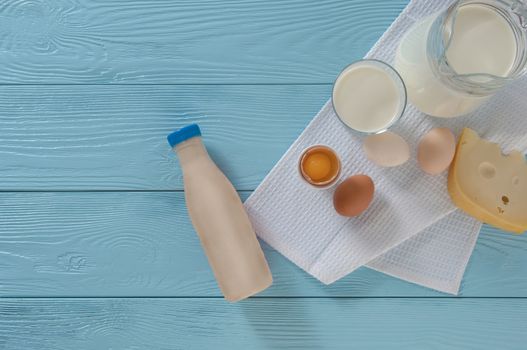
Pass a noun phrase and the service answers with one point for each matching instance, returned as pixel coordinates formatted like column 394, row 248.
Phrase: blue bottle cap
column 183, row 134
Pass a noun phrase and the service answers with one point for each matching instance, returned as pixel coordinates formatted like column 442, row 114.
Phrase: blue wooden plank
column 142, row 244
column 163, row 41
column 114, row 137
column 94, row 324
column 100, row 244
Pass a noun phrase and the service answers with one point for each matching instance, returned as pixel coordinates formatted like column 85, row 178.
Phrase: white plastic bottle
column 220, row 220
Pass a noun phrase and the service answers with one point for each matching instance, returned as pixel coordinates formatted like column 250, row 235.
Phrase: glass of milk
column 453, row 61
column 369, row 96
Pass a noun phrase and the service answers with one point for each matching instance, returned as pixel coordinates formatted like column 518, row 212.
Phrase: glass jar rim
column 476, row 83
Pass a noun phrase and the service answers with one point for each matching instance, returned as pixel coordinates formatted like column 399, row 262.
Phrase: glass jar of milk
column 455, row 60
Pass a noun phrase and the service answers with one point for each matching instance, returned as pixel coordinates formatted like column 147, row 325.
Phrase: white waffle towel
column 412, row 230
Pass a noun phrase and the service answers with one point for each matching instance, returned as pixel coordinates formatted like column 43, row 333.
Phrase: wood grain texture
column 97, row 137
column 164, row 41
column 114, row 137
column 116, row 324
column 142, row 244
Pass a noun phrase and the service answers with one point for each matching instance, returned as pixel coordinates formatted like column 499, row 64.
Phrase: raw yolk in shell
column 317, row 166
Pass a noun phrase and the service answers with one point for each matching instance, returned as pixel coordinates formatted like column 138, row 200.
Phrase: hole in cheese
column 487, row 170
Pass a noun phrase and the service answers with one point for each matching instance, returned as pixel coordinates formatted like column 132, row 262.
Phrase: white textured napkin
column 411, row 231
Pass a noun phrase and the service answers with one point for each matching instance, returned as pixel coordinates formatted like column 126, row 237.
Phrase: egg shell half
column 354, row 195
column 436, row 150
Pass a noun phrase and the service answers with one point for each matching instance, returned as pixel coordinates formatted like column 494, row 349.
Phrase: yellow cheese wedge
column 488, row 185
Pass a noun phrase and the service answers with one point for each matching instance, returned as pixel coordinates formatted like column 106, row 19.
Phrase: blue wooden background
column 96, row 250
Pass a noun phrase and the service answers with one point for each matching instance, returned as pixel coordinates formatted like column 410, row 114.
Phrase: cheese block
column 488, row 185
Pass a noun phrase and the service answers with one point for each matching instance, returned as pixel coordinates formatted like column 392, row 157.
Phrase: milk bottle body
column 222, row 224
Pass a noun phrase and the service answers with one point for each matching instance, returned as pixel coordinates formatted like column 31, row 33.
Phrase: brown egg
column 353, row 195
column 436, row 150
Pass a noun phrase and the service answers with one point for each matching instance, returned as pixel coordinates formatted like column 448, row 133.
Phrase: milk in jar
column 453, row 62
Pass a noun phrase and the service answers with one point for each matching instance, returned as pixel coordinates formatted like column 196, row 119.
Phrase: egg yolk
column 317, row 166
